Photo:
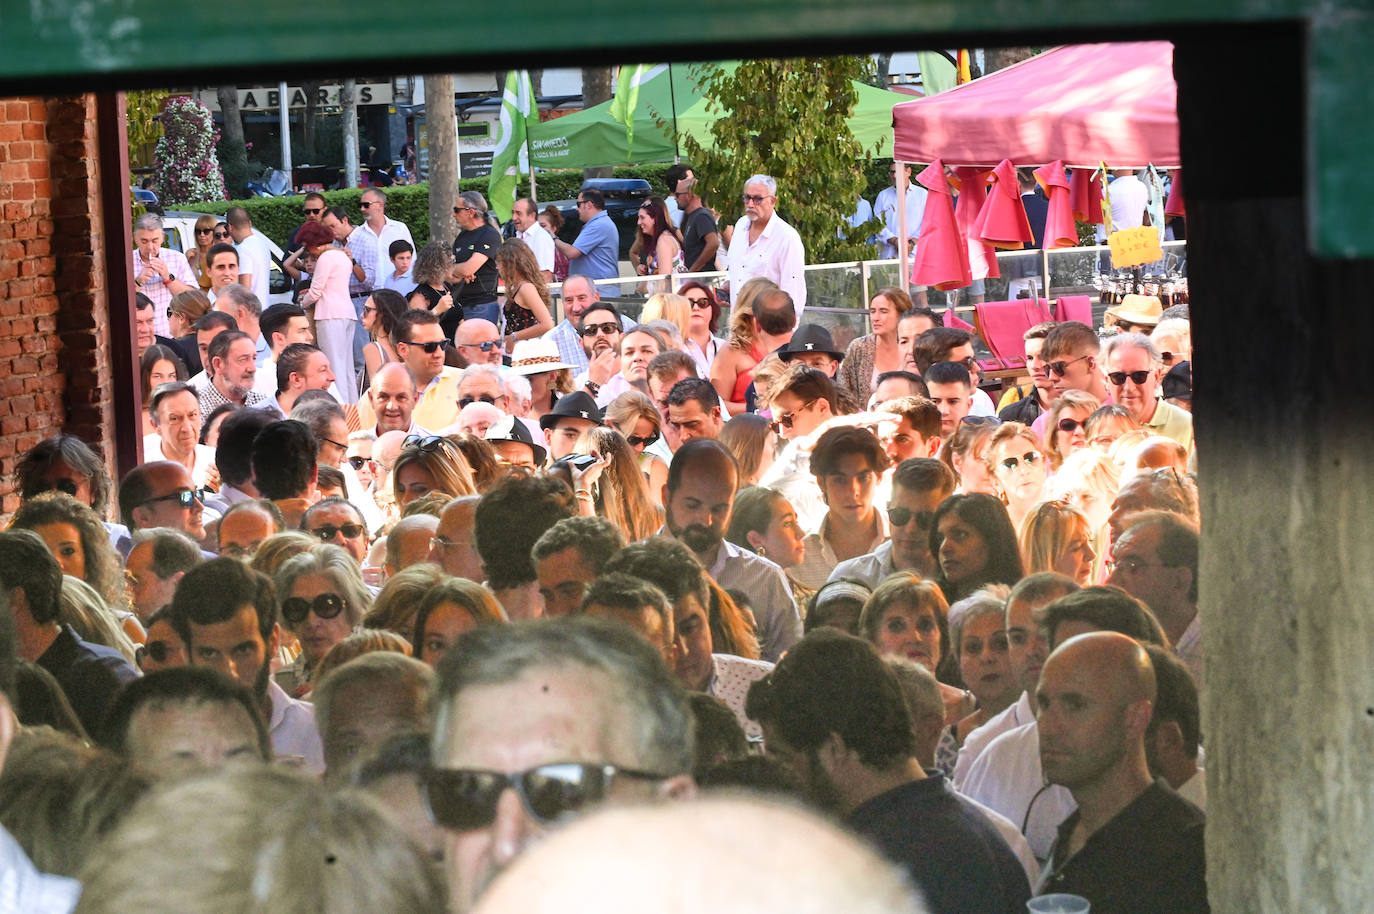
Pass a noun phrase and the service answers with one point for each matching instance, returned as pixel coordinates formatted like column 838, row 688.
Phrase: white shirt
column 982, row 403
column 1008, row 779
column 1189, row 649
column 292, row 729
column 885, row 208
column 205, row 457
column 777, row 255
column 791, row 475
column 541, row 243
column 255, row 258
column 1012, row 835
column 391, row 231
column 24, row 888
column 978, row 739
column 863, row 212
column 731, row 677
column 1194, row 790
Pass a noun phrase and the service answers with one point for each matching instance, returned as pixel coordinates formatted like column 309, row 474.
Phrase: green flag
column 511, row 158
column 627, row 97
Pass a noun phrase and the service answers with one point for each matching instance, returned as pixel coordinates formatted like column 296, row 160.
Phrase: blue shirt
column 599, row 243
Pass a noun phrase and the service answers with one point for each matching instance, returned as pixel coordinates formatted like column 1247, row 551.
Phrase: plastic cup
column 1058, row 903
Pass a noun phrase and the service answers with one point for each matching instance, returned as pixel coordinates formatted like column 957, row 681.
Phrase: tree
column 787, row 119
column 184, row 165
column 442, row 138
column 998, row 58
column 233, row 154
column 596, row 88
column 144, row 124
column 348, row 102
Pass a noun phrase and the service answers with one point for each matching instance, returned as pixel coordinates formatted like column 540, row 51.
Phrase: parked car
column 180, row 228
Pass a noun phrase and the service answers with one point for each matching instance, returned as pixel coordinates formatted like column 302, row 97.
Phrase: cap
column 511, row 428
column 576, row 405
column 809, row 338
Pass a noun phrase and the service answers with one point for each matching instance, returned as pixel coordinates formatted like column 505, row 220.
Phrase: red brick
column 35, row 247
column 38, row 169
column 21, row 152
column 20, row 288
column 17, row 111
column 31, row 131
column 35, row 344
column 13, row 425
column 23, row 190
column 43, row 188
column 10, row 133
column 38, row 109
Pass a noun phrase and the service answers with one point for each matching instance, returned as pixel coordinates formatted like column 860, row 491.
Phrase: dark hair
column 215, row 590
column 275, row 318
column 752, row 513
column 338, row 212
column 831, row 594
column 215, row 320
column 167, row 389
column 390, row 305
column 806, row 383
column 313, row 234
column 920, row 412
column 774, row 312
column 1105, row 607
column 173, row 551
column 208, row 425
column 219, row 346
column 931, row 347
column 925, row 474
column 1176, row 698
column 401, row 754
column 720, row 738
column 39, row 701
column 593, row 196
column 989, row 517
column 909, row 376
column 329, row 503
column 26, row 563
column 151, row 356
column 142, row 301
column 711, row 299
column 233, row 453
column 293, row 360
column 935, row 317
column 601, row 305
column 399, row 246
column 511, row 518
column 595, row 539
column 697, row 452
column 409, row 320
column 1178, row 541
column 669, row 363
column 667, row 564
column 76, row 454
column 837, row 443
column 179, row 685
column 218, row 248
column 697, row 389
column 830, row 682
column 618, row 590
column 283, row 459
column 333, row 478
column 948, row 373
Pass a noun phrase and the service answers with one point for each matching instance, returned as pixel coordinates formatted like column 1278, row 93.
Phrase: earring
column 762, row 551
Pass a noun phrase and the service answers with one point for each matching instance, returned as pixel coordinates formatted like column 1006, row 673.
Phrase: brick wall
column 54, row 315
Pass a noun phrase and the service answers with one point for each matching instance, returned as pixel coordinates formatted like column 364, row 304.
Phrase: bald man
column 453, row 547
column 1133, row 844
column 479, row 342
column 408, row 542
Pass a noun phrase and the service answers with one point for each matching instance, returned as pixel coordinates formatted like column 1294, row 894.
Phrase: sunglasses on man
column 329, row 531
column 464, row 799
column 607, row 329
column 486, row 346
column 900, row 517
column 430, row 348
column 1137, row 377
column 184, row 498
column 785, row 420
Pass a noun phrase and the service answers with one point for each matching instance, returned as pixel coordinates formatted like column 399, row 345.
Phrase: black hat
column 576, row 405
column 512, row 428
column 1178, row 382
column 809, row 338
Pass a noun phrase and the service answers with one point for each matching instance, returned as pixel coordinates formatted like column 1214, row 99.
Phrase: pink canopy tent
column 1081, row 104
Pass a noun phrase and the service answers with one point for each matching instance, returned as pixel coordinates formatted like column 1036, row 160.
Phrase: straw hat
column 536, row 355
column 1136, row 309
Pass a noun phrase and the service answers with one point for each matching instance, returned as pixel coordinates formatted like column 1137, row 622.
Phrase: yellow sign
column 1132, row 247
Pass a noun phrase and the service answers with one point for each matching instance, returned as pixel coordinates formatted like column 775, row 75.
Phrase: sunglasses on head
column 430, row 348
column 1060, row 368
column 326, row 606
column 1069, row 425
column 329, row 531
column 605, row 329
column 426, row 443
column 62, row 485
column 184, row 498
column 357, row 462
column 1030, row 459
column 900, row 517
column 636, row 441
column 1138, row 377
column 484, row 398
column 488, row 346
column 466, row 798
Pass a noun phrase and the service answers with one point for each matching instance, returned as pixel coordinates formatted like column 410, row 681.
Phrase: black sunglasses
column 1069, row 425
column 223, row 235
column 466, row 798
column 484, row 398
column 1060, row 368
column 427, row 443
column 1030, row 459
column 1167, row 357
column 636, row 441
column 1119, row 377
column 62, row 485
column 325, row 606
column 357, row 463
column 204, row 231
column 157, row 651
column 900, row 517
column 328, row 531
column 313, row 211
column 365, row 204
column 488, row 346
column 184, row 498
column 441, row 345
column 605, row 329
column 967, row 361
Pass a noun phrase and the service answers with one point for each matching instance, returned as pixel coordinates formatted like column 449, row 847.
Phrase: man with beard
column 233, row 369
column 579, row 297
column 834, row 717
column 226, row 614
column 697, row 501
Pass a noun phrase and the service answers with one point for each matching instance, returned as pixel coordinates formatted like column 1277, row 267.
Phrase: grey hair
column 920, row 688
column 1138, row 340
column 475, row 200
column 989, row 601
column 483, row 368
column 518, row 386
column 335, row 563
column 379, row 667
column 766, row 181
column 148, row 222
column 242, row 297
column 659, row 716
column 375, row 191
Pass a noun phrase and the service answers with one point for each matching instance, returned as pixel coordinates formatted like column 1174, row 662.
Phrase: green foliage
column 787, row 119
column 142, row 127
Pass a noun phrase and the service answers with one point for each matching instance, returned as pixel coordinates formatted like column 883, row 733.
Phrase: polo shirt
column 599, row 242
column 437, row 405
column 1172, row 422
column 89, row 674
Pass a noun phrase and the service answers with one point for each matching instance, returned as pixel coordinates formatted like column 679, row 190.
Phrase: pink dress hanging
column 1060, row 231
column 1002, row 221
column 972, row 184
column 941, row 253
column 1174, row 205
column 1085, row 196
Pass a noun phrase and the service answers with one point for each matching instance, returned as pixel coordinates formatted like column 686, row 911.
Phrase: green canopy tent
column 592, row 137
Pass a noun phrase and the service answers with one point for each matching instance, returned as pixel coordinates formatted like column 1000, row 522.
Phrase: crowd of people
column 840, row 625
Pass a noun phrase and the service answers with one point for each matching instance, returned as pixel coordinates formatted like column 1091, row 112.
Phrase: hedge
column 277, row 217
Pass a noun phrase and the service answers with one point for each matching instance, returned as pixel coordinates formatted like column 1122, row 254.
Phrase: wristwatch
column 593, row 388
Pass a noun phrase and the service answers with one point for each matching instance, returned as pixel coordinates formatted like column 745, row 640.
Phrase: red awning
column 1080, row 104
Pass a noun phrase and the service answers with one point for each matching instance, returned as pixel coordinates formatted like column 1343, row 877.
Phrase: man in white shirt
column 159, row 272
column 885, row 208
column 764, row 245
column 245, row 308
column 384, row 229
column 175, row 410
column 528, row 230
column 255, row 257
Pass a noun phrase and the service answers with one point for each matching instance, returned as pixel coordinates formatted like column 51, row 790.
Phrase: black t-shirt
column 696, row 226
column 481, row 289
column 450, row 319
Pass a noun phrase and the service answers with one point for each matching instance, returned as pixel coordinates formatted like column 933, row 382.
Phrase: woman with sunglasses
column 430, row 464
column 974, row 543
column 634, row 415
column 1065, row 428
column 528, row 310
column 657, row 249
column 733, row 369
column 620, row 493
column 197, row 256
column 331, row 303
column 878, row 352
column 381, row 312
column 182, row 313
column 323, row 598
column 157, row 365
column 700, row 340
column 1018, row 467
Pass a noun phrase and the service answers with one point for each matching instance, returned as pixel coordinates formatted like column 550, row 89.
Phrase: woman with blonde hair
column 749, row 437
column 94, row 620
column 393, row 609
column 636, row 418
column 447, row 610
column 1089, row 480
column 528, row 309
column 621, row 494
column 359, row 643
column 670, row 307
column 430, row 463
column 870, row 356
column 1018, row 467
column 733, row 369
column 198, row 256
column 277, row 548
column 1056, row 536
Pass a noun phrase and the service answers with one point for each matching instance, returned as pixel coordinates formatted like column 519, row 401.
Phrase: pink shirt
column 329, row 287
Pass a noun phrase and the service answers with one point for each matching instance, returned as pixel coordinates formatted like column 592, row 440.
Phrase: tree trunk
column 348, row 101
column 312, row 104
column 883, row 71
column 537, row 81
column 596, row 88
column 233, row 153
column 441, row 130
column 995, row 59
